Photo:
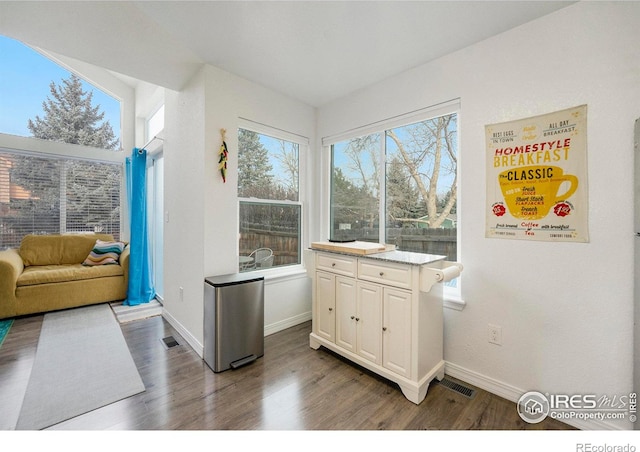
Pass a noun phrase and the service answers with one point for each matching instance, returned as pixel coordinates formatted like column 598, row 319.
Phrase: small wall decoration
column 537, row 178
column 224, row 153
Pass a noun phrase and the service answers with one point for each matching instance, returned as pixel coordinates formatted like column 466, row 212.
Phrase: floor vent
column 169, row 342
column 457, row 387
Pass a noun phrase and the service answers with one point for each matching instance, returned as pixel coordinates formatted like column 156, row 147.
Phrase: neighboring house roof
column 451, row 219
column 452, row 216
column 14, row 191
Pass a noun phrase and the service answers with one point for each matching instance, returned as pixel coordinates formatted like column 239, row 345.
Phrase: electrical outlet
column 495, row 334
column 181, row 292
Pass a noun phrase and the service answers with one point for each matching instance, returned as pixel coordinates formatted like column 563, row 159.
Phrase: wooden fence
column 430, row 241
column 285, row 244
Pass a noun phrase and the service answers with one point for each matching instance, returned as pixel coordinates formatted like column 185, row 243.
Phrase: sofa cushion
column 58, row 249
column 44, row 274
column 104, row 253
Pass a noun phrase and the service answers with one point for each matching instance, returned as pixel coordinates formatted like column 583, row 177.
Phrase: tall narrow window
column 155, row 197
column 355, row 189
column 270, row 221
column 411, row 201
column 155, row 218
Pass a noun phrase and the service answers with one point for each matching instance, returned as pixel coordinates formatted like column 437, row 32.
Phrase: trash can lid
column 232, row 279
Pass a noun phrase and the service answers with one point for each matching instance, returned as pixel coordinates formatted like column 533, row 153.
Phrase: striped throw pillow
column 104, row 253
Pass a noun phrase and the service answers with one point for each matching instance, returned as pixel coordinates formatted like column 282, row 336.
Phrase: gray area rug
column 82, row 363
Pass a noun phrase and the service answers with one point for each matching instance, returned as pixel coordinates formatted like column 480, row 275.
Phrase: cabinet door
column 369, row 322
column 325, row 305
column 396, row 336
column 346, row 313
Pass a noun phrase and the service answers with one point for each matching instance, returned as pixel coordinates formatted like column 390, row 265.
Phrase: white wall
column 201, row 238
column 184, row 175
column 566, row 309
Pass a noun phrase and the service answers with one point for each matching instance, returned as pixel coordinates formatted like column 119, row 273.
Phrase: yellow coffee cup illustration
column 531, row 191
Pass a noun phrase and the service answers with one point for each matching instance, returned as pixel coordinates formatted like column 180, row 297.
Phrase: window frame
column 303, row 150
column 452, row 295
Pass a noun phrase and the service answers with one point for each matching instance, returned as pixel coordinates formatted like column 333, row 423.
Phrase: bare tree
column 429, row 155
column 363, row 154
column 288, row 157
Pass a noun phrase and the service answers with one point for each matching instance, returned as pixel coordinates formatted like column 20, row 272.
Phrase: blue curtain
column 140, row 280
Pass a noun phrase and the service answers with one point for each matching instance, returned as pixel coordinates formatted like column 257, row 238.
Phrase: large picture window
column 43, row 100
column 270, row 211
column 48, row 195
column 398, row 186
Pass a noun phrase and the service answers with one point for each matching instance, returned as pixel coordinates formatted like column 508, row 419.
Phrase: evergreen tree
column 254, row 168
column 345, row 199
column 363, row 158
column 71, row 118
column 403, row 198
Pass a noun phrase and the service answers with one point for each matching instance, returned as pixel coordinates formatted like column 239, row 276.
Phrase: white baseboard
column 191, row 340
column 482, row 381
column 513, row 394
column 268, row 329
column 287, row 323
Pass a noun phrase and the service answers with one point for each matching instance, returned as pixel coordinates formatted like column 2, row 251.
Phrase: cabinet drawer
column 386, row 273
column 336, row 263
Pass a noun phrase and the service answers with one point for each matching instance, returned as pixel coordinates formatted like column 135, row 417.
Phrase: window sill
column 282, row 274
column 453, row 302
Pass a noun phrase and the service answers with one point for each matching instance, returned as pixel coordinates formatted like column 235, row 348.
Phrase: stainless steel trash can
column 233, row 320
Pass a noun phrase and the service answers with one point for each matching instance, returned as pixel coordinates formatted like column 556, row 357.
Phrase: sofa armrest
column 124, row 262
column 11, row 267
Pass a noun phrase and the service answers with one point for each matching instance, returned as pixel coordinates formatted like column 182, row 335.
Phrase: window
column 155, row 218
column 398, row 185
column 270, row 220
column 77, row 112
column 46, row 195
column 355, row 189
column 155, row 201
column 155, row 123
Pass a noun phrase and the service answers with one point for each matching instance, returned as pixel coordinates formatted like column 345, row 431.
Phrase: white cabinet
column 346, row 295
column 373, row 312
column 324, row 315
column 397, row 275
column 396, row 331
column 368, row 322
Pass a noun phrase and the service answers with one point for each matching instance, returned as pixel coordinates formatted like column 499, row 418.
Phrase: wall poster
column 537, row 178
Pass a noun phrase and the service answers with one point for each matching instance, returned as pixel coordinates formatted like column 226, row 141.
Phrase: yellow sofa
column 46, row 274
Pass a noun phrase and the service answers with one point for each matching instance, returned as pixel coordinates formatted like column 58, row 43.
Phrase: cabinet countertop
column 401, row 257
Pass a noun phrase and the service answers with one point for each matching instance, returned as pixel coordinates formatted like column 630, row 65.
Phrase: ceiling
column 314, row 51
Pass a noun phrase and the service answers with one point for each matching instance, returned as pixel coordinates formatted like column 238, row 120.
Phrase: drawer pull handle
column 330, row 309
column 384, row 328
column 353, row 317
column 381, row 273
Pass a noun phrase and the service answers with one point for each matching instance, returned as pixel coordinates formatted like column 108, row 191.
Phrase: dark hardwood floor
column 292, row 387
